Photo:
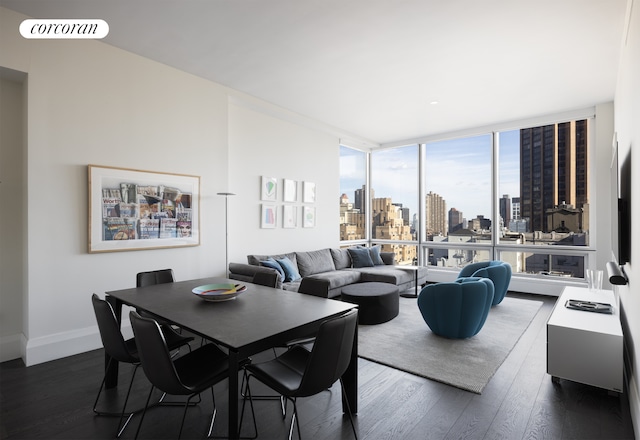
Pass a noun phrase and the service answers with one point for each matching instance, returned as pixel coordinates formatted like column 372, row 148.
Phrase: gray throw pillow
column 360, row 257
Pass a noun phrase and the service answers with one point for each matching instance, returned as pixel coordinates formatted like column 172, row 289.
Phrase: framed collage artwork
column 133, row 209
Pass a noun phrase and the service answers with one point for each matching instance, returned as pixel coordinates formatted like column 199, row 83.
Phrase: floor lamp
column 226, row 230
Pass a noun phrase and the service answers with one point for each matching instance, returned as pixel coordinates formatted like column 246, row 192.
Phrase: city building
column 553, row 170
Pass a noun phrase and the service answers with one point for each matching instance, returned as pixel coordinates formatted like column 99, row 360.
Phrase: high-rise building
column 456, row 220
column 553, row 170
column 505, row 210
column 515, row 208
column 435, row 215
column 360, row 198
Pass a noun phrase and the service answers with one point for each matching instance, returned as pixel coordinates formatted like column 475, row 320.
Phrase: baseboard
column 11, row 347
column 60, row 345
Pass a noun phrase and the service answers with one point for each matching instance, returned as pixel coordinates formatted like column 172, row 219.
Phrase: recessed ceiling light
column 434, row 102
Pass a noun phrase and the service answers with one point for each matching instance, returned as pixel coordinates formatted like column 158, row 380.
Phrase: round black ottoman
column 377, row 302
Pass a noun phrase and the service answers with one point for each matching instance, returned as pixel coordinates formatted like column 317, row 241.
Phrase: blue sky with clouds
column 459, row 170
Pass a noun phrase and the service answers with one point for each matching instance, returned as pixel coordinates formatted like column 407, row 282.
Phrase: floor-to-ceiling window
column 544, row 198
column 353, row 195
column 458, row 217
column 394, row 201
column 519, row 195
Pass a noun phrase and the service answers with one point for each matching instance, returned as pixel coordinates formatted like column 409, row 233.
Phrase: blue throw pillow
column 273, row 264
column 360, row 257
column 290, row 269
column 374, row 251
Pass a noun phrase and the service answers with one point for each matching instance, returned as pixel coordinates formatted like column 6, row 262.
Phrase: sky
column 459, row 170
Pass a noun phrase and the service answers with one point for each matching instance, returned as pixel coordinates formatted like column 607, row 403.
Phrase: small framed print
column 290, row 191
column 309, row 192
column 308, row 217
column 268, row 216
column 289, row 216
column 269, row 189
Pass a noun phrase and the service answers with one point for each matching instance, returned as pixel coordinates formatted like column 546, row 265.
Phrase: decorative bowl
column 219, row 292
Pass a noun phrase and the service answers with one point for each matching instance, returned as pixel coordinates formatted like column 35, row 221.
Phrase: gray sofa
column 325, row 272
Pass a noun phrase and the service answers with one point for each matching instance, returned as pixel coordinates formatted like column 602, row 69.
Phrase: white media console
column 585, row 346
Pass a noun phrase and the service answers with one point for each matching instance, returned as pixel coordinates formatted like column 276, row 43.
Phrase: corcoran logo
column 64, row 28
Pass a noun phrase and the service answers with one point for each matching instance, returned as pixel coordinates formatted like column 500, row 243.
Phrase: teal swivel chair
column 497, row 271
column 456, row 310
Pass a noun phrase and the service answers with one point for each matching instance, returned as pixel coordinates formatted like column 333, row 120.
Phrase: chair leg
column 126, row 399
column 293, row 421
column 346, row 401
column 243, row 393
column 253, row 414
column 144, row 412
column 184, row 415
column 121, row 426
column 213, row 414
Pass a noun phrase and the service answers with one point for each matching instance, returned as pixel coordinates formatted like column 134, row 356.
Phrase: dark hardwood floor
column 54, row 401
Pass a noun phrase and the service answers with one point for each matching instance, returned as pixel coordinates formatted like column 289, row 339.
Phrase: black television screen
column 621, row 205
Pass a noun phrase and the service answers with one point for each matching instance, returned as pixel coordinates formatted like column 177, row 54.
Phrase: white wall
column 627, row 115
column 13, row 231
column 264, row 145
column 90, row 103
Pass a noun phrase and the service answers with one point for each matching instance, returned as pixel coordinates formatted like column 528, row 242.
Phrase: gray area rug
column 406, row 343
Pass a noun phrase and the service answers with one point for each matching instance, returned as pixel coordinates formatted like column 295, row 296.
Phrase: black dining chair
column 151, row 278
column 269, row 279
column 120, row 350
column 188, row 375
column 302, row 373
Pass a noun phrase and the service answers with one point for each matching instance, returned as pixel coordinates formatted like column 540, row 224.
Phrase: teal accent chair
column 497, row 271
column 459, row 309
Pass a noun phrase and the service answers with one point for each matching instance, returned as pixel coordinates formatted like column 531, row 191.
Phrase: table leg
column 350, row 379
column 234, row 429
column 415, row 281
column 111, row 368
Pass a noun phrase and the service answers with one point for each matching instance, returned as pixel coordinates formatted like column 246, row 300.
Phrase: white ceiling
column 373, row 67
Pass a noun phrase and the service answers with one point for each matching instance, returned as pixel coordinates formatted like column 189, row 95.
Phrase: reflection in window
column 551, row 265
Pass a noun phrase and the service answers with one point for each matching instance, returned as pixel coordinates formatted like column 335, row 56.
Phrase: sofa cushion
column 341, row 258
column 314, row 262
column 385, row 274
column 337, row 278
column 273, row 264
column 290, row 270
column 360, row 257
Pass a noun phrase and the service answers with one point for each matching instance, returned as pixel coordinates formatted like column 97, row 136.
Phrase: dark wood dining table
column 256, row 320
